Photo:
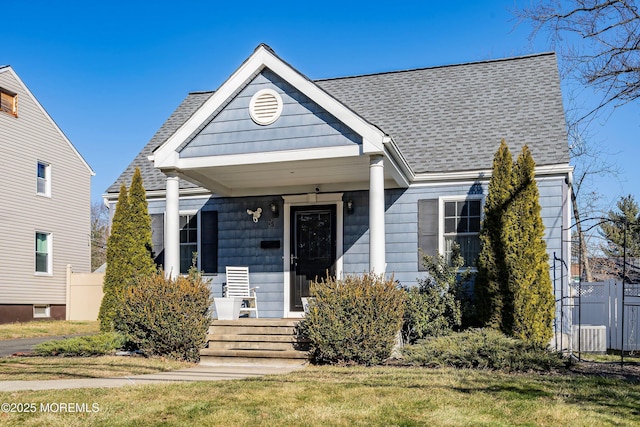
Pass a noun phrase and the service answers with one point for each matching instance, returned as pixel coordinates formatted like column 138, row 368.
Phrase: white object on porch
column 228, row 308
column 238, row 287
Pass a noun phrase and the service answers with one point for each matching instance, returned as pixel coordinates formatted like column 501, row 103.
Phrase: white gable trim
column 53, row 123
column 165, row 156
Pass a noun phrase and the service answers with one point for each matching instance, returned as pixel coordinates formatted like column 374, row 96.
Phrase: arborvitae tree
column 627, row 214
column 527, row 258
column 128, row 250
column 119, row 269
column 141, row 255
column 491, row 294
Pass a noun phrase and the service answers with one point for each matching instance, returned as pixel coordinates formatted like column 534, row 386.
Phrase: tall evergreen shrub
column 128, row 250
column 513, row 289
column 119, row 270
column 140, row 228
column 533, row 299
column 491, row 293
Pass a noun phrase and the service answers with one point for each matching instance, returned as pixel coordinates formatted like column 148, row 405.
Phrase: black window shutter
column 428, row 221
column 157, row 238
column 209, row 241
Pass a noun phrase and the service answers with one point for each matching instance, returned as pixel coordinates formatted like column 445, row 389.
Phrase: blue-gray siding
column 239, row 237
column 303, row 124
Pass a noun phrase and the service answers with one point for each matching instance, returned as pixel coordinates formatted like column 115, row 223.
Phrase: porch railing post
column 376, row 215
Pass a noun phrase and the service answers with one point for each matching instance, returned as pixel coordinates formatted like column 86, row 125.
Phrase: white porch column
column 172, row 227
column 376, row 214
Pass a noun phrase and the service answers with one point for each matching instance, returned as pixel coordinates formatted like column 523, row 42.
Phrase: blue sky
column 111, row 72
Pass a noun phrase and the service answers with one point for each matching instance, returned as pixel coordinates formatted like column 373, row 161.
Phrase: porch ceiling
column 301, row 176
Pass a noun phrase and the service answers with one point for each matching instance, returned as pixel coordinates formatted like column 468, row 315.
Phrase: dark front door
column 313, row 248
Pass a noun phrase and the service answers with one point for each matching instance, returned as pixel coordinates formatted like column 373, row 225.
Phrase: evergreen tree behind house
column 613, row 230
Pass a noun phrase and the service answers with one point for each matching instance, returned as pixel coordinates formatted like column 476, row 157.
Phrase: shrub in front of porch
column 354, row 320
column 167, row 317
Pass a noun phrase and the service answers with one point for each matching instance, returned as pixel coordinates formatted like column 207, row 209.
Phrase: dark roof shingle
column 443, row 119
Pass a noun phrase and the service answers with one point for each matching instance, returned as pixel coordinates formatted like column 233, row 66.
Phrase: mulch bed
column 629, row 371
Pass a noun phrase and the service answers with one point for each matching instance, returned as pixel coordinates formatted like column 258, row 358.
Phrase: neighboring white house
column 45, row 210
column 295, row 177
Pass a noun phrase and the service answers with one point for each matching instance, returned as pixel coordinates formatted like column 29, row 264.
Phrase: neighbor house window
column 462, row 226
column 448, row 220
column 43, row 172
column 41, row 311
column 8, row 102
column 43, row 253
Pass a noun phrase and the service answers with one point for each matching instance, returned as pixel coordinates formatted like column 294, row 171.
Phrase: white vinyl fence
column 599, row 311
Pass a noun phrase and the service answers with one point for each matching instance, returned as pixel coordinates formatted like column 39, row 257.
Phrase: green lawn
column 53, row 368
column 47, row 328
column 330, row 396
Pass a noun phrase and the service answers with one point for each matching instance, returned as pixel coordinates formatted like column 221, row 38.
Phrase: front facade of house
column 296, row 178
column 46, row 207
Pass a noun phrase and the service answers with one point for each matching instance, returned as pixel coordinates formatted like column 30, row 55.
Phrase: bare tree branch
column 600, row 41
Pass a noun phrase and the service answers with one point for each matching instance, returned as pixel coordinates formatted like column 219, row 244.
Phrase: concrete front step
column 251, row 330
column 253, row 338
column 256, row 345
column 254, row 341
column 210, row 357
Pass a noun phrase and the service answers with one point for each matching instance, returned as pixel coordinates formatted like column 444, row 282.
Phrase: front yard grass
column 337, row 396
column 47, row 328
column 54, row 368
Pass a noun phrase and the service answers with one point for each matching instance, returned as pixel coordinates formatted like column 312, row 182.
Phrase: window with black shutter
column 427, row 229
column 461, row 225
column 209, row 241
column 198, row 234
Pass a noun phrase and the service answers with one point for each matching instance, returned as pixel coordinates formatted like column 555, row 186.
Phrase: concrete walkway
column 197, row 373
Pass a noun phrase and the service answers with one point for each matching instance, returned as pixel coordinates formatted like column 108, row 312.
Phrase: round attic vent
column 265, row 106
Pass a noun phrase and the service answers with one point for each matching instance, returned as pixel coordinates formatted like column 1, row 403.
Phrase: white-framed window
column 198, row 233
column 41, row 311
column 8, row 102
column 43, row 253
column 188, row 241
column 43, row 178
column 460, row 219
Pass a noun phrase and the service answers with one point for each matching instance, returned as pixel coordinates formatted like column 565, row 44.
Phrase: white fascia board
column 261, row 58
column 540, row 171
column 268, row 157
column 402, row 172
column 370, row 133
column 44, row 112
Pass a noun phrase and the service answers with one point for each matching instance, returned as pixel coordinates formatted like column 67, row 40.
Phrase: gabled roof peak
column 265, row 46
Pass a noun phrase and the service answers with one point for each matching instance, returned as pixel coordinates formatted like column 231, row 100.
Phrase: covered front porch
column 307, row 229
column 271, row 137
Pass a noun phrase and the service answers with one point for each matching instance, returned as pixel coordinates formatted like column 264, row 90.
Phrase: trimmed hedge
column 354, row 320
column 482, row 349
column 90, row 345
column 168, row 317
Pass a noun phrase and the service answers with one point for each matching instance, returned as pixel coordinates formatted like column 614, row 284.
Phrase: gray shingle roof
column 443, row 119
column 452, row 118
column 154, row 179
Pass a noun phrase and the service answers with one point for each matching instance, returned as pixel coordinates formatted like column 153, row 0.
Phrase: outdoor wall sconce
column 275, row 212
column 349, row 207
column 256, row 214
